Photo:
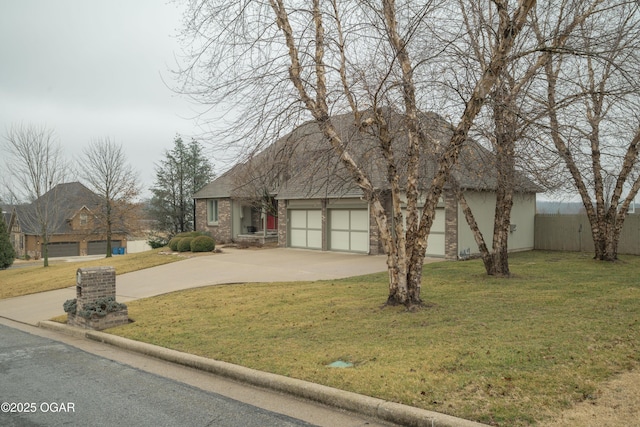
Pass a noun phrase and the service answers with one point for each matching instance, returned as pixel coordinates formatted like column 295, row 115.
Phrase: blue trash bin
column 121, row 251
column 114, row 251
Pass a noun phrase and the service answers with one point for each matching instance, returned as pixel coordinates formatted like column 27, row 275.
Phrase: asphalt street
column 48, row 383
column 48, row 378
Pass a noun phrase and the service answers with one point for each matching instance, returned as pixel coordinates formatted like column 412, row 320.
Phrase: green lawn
column 35, row 278
column 504, row 351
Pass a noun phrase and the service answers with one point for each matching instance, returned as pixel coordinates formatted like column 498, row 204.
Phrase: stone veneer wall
column 111, row 320
column 282, row 223
column 220, row 232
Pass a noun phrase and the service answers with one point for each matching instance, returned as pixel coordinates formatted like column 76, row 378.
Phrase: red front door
column 272, row 222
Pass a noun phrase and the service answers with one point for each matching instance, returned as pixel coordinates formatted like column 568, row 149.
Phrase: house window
column 83, row 219
column 212, row 212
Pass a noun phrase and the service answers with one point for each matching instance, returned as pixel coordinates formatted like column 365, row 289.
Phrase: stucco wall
column 135, row 246
column 483, row 205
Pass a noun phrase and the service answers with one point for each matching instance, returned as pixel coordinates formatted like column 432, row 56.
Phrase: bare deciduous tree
column 109, row 175
column 511, row 116
column 283, row 61
column 37, row 165
column 592, row 100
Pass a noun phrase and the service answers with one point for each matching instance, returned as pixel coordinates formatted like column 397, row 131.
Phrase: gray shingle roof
column 303, row 165
column 61, row 203
column 220, row 187
column 6, row 217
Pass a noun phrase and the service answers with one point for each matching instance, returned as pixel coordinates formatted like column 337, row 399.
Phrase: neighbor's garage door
column 349, row 230
column 305, row 228
column 99, row 247
column 62, row 249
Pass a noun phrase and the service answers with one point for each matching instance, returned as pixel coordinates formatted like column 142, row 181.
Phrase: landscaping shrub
column 99, row 308
column 70, row 306
column 203, row 244
column 157, row 242
column 173, row 243
column 184, row 245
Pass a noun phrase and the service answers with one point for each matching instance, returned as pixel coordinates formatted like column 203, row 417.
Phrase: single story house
column 297, row 192
column 71, row 221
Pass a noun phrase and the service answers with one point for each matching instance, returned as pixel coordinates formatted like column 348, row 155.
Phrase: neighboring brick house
column 299, row 193
column 73, row 230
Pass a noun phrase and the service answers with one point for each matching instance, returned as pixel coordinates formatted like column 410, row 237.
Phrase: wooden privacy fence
column 573, row 233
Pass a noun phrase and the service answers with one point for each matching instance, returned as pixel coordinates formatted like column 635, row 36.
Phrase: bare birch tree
column 511, row 116
column 109, row 175
column 37, row 165
column 282, row 62
column 592, row 100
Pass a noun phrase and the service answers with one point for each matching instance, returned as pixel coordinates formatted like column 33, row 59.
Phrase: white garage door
column 435, row 242
column 349, row 230
column 305, row 228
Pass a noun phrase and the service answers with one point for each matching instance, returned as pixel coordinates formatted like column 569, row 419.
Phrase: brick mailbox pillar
column 95, row 306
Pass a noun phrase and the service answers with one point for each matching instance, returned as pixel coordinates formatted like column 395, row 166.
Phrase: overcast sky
column 92, row 69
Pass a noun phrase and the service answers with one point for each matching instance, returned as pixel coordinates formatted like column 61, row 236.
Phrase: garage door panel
column 299, row 238
column 298, row 219
column 349, row 230
column 314, row 239
column 305, row 229
column 314, row 219
column 360, row 220
column 340, row 240
column 359, row 242
column 339, row 220
column 435, row 244
column 99, row 247
column 438, row 221
column 63, row 249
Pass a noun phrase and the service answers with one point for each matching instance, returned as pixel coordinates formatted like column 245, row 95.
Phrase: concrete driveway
column 230, row 266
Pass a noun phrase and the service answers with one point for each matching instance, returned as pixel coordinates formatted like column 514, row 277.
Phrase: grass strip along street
column 505, row 351
column 33, row 277
column 501, row 351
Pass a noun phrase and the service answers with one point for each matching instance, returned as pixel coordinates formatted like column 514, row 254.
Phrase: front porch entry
column 253, row 224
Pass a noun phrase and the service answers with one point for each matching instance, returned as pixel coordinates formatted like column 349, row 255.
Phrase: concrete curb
column 373, row 407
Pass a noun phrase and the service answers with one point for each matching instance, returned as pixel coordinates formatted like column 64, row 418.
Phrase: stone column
column 95, row 303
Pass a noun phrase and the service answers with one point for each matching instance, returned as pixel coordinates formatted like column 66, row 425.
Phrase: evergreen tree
column 7, row 253
column 184, row 170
